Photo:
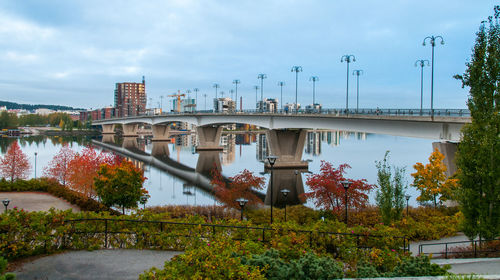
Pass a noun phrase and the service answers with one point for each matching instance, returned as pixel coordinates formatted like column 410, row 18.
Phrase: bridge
column 286, row 132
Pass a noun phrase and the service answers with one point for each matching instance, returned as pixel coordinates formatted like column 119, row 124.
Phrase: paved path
column 483, row 266
column 438, row 248
column 100, row 264
column 36, row 201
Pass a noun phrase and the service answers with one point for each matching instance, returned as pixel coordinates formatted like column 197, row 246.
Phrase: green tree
column 119, row 185
column 478, row 154
column 8, row 120
column 390, row 196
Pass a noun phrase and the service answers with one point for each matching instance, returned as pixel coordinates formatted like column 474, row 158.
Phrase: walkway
column 36, row 201
column 101, row 264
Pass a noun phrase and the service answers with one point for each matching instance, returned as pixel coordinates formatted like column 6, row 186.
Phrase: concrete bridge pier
column 288, row 145
column 290, row 179
column 161, row 132
column 108, row 128
column 448, row 149
column 208, row 160
column 130, row 130
column 160, row 148
column 209, row 138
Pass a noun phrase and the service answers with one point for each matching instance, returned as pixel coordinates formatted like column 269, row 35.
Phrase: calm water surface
column 241, row 151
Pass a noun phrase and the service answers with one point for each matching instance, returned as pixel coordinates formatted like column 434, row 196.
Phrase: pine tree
column 478, row 156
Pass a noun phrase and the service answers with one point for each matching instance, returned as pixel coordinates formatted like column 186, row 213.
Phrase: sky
column 74, row 52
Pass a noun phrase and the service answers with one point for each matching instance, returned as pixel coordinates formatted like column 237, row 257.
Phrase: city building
column 267, row 105
column 224, row 105
column 44, row 111
column 291, row 107
column 187, row 105
column 130, row 99
column 313, row 107
column 107, row 112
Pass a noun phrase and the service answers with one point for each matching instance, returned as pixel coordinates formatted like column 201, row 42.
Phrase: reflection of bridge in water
column 289, row 178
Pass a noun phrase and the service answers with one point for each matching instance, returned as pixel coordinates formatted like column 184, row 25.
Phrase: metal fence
column 119, row 233
column 463, row 249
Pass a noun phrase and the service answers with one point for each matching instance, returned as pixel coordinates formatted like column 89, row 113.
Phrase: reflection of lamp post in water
column 272, row 161
column 242, row 202
column 285, row 193
column 6, row 203
column 346, row 185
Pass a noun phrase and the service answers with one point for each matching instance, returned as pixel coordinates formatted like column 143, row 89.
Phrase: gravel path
column 36, row 201
column 101, row 264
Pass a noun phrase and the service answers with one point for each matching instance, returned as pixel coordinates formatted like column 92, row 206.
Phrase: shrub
column 3, row 267
column 418, row 266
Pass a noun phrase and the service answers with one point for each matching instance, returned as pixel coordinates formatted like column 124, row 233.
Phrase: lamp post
column 161, row 103
column 256, row 100
column 281, row 84
column 231, row 91
column 421, row 63
column 285, row 193
column 296, row 69
column 432, row 40
column 407, row 199
column 6, row 202
column 314, row 79
column 143, row 200
column 216, row 86
column 205, row 95
column 242, row 202
column 35, row 163
column 236, row 82
column 188, row 91
column 196, row 98
column 346, row 185
column 357, row 73
column 347, row 58
column 261, row 77
column 272, row 161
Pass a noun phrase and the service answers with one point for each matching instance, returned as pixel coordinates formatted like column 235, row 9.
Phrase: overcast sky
column 73, row 52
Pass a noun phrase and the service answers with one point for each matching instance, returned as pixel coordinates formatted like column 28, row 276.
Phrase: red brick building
column 130, row 99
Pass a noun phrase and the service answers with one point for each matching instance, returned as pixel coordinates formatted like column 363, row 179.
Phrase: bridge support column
column 288, row 145
column 108, row 138
column 130, row 143
column 161, row 132
column 108, row 129
column 130, row 130
column 448, row 149
column 208, row 160
column 160, row 148
column 290, row 179
column 209, row 138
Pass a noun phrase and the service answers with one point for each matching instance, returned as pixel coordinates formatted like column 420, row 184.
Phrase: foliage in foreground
column 479, row 150
column 14, row 164
column 3, row 267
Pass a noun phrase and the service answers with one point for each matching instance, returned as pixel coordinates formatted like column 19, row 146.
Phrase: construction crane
column 178, row 95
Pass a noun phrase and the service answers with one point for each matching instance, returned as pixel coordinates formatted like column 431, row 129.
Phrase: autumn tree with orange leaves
column 84, row 167
column 242, row 185
column 329, row 194
column 431, row 179
column 15, row 164
column 58, row 167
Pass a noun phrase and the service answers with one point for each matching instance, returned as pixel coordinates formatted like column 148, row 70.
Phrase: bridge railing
column 341, row 112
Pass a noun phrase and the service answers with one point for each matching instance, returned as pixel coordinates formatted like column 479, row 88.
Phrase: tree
column 15, row 164
column 329, row 194
column 431, row 180
column 83, row 168
column 120, row 185
column 243, row 185
column 390, row 196
column 58, row 167
column 478, row 154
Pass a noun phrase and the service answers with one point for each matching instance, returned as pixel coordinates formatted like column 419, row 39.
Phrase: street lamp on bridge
column 432, row 40
column 262, row 77
column 256, row 100
column 421, row 63
column 296, row 69
column 196, row 98
column 236, row 82
column 348, row 58
column 281, row 84
column 357, row 73
column 216, row 86
column 314, row 79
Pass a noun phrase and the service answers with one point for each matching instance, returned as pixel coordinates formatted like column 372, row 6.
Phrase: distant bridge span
column 444, row 128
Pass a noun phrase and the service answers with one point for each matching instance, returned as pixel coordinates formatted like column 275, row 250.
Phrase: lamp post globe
column 285, row 193
column 407, row 200
column 143, row 200
column 242, row 202
column 5, row 203
column 346, row 185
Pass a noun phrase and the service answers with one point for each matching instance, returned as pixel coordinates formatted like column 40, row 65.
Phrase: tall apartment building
column 130, row 99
